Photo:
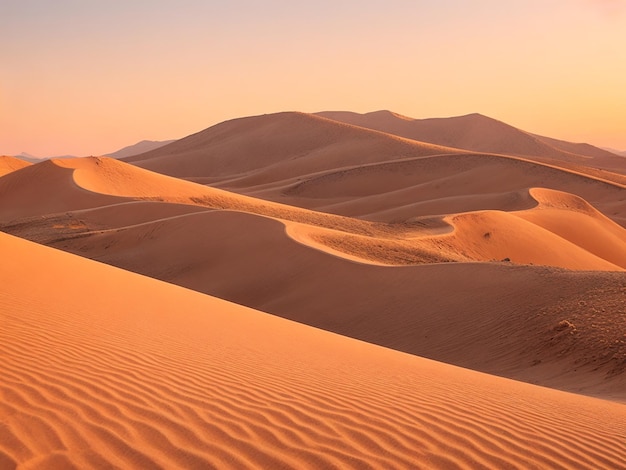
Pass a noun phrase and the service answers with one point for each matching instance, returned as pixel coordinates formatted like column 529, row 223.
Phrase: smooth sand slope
column 104, row 368
column 343, row 275
column 482, row 134
column 9, row 164
column 497, row 317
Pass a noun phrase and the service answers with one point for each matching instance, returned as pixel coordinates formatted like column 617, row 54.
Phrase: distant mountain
column 139, row 147
column 29, row 158
column 33, row 159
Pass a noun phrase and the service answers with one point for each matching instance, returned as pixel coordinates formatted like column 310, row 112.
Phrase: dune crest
column 146, row 374
column 9, row 164
column 502, row 254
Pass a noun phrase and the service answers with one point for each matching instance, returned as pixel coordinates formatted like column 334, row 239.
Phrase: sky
column 88, row 77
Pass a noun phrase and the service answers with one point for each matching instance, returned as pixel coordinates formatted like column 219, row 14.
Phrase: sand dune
column 297, row 274
column 10, row 164
column 506, row 264
column 45, row 188
column 262, row 149
column 482, row 134
column 146, row 374
column 445, row 184
column 471, row 132
column 316, row 163
column 107, row 180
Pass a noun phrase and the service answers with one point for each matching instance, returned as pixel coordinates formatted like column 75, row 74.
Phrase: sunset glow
column 87, row 78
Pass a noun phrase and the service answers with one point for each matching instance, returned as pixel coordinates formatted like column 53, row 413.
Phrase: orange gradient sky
column 89, row 77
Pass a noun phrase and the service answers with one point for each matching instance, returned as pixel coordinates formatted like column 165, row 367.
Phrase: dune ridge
column 283, row 144
column 9, row 164
column 400, row 244
column 480, row 133
column 200, row 386
column 327, row 165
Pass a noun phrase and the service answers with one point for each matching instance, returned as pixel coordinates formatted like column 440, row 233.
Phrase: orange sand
column 101, row 367
column 487, row 248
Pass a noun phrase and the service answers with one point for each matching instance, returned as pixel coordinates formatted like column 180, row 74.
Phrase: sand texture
column 10, row 164
column 317, row 291
column 105, row 368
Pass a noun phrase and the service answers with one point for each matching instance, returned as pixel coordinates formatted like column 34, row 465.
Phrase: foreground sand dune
column 102, row 367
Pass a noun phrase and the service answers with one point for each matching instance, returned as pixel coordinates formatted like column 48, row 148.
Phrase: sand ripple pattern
column 108, row 369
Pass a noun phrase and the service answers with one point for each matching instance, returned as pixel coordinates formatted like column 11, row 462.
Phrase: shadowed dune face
column 324, row 164
column 146, row 374
column 444, row 184
column 482, row 134
column 475, row 324
column 471, row 132
column 267, row 148
column 505, row 265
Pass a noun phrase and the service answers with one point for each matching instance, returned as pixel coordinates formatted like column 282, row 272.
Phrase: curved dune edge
column 146, row 374
column 10, row 164
column 468, row 314
column 577, row 221
column 528, row 246
column 474, row 236
column 579, row 237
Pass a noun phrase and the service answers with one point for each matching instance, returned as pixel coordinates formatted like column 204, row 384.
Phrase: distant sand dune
column 443, row 184
column 477, row 236
column 265, row 148
column 483, row 134
column 10, row 164
column 103, row 367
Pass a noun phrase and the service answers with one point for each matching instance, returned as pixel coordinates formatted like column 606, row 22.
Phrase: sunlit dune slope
column 577, row 221
column 462, row 237
column 58, row 186
column 105, row 368
column 9, row 164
